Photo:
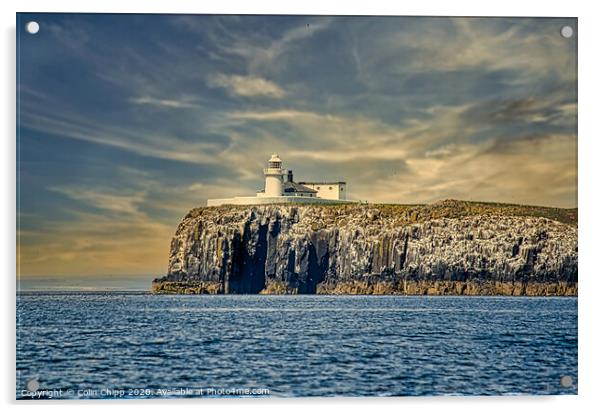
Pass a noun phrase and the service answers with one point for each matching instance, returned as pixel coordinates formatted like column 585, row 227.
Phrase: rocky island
column 447, row 248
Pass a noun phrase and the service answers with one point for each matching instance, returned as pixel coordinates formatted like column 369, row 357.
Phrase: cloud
column 120, row 203
column 280, row 46
column 246, row 85
column 541, row 171
column 167, row 103
column 337, row 138
column 543, row 111
column 94, row 243
column 259, row 52
column 136, row 140
column 528, row 47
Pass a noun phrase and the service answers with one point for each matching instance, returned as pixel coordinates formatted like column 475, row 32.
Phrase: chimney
column 289, row 177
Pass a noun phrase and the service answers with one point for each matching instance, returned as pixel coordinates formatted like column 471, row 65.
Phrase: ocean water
column 131, row 345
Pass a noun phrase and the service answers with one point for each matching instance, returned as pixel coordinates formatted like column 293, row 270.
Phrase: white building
column 328, row 190
column 281, row 188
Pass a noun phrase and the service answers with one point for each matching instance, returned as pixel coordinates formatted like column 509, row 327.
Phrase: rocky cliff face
column 451, row 247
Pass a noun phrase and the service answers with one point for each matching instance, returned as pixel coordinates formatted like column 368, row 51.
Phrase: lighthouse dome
column 275, row 162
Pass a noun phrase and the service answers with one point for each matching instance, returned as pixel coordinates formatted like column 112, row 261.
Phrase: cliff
column 451, row 247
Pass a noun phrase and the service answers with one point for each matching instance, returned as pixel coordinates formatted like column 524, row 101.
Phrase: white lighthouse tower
column 273, row 177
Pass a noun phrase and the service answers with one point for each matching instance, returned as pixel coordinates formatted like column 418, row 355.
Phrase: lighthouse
column 273, row 177
column 280, row 188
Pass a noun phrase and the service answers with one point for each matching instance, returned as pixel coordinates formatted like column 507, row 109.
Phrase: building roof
column 275, row 158
column 295, row 187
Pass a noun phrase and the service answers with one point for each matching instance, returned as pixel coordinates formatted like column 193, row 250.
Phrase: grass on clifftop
column 420, row 213
column 455, row 209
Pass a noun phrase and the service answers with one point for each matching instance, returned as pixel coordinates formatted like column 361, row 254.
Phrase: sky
column 126, row 122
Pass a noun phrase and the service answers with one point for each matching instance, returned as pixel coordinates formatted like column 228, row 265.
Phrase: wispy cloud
column 120, row 203
column 260, row 53
column 281, row 45
column 137, row 140
column 246, row 85
column 96, row 244
column 167, row 103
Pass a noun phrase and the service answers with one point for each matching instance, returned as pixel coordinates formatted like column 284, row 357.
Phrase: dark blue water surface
column 105, row 345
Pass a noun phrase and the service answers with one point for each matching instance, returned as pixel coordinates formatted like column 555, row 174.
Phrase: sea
column 107, row 345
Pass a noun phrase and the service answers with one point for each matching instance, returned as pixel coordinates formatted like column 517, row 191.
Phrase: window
column 341, row 188
column 318, row 188
column 330, row 188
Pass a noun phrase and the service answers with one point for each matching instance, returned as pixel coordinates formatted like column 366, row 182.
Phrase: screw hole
column 566, row 32
column 32, row 27
column 566, row 381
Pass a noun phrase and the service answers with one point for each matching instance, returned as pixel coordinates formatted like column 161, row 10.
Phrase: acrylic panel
column 294, row 206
